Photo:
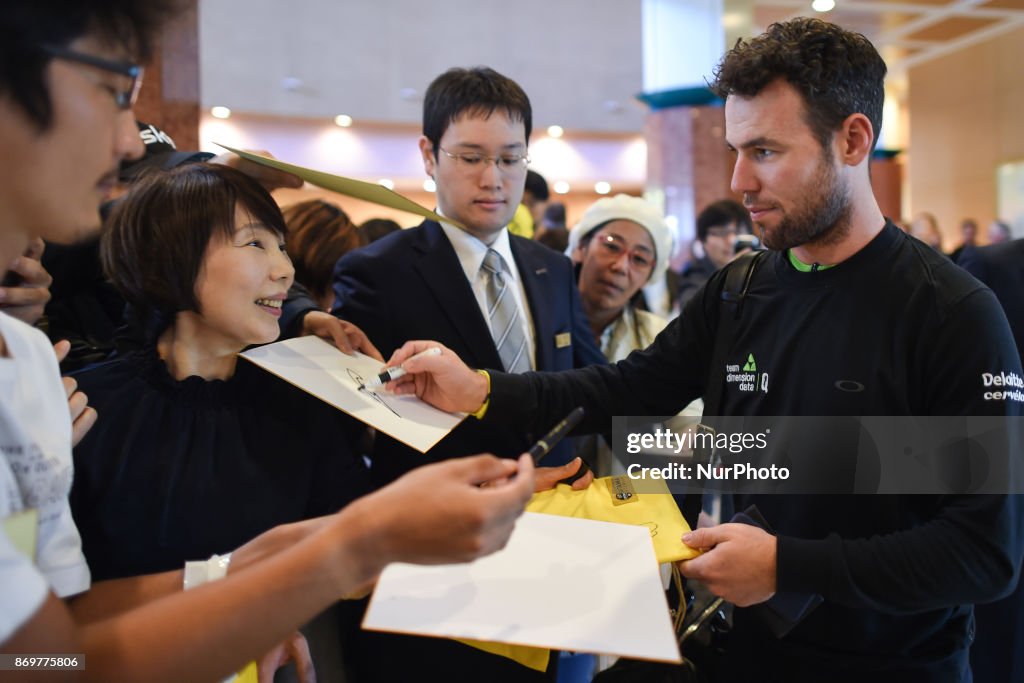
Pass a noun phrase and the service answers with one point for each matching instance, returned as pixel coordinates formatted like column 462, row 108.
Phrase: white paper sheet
column 315, row 366
column 561, row 583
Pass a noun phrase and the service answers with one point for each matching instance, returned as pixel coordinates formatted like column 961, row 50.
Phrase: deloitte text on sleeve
column 1009, row 386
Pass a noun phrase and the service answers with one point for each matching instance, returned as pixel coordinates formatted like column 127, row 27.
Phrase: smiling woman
column 192, row 455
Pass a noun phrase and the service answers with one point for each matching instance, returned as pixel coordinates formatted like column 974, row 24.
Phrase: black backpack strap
column 738, row 277
column 737, row 283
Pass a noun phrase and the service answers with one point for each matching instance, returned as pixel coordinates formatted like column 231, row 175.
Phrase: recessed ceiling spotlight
column 387, row 182
column 343, row 120
column 556, row 131
column 562, row 187
column 220, row 112
column 601, row 187
column 823, row 5
column 429, row 185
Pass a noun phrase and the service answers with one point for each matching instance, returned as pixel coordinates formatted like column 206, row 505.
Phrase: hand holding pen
column 440, row 379
column 397, row 372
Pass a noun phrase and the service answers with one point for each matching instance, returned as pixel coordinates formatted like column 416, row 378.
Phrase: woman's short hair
column 319, row 233
column 156, row 238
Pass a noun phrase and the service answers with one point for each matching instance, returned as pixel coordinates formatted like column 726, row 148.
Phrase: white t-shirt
column 35, row 473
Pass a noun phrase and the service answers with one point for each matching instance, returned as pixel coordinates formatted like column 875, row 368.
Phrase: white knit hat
column 624, row 207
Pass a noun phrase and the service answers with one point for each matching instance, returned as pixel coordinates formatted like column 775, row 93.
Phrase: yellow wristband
column 482, row 410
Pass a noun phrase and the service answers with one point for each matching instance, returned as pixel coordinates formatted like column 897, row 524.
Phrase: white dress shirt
column 470, row 252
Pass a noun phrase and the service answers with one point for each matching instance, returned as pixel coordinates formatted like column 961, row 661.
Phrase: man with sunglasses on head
column 68, row 78
column 500, row 300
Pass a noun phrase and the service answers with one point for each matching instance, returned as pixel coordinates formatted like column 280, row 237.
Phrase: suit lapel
column 537, row 284
column 442, row 274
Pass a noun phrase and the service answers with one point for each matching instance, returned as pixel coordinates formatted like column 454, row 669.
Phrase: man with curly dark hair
column 802, row 82
column 846, row 316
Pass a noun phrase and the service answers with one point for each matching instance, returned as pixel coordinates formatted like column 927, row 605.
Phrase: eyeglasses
column 613, row 246
column 722, row 231
column 474, row 161
column 125, row 98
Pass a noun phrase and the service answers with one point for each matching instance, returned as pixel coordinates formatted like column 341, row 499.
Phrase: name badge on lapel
column 562, row 340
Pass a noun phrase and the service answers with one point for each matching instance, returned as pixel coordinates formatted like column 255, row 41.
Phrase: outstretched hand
column 443, row 381
column 452, row 511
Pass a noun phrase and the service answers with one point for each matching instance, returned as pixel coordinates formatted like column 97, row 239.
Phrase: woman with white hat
column 621, row 243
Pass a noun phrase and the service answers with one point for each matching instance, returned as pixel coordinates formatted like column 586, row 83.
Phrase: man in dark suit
column 1001, row 267
column 499, row 301
column 996, row 654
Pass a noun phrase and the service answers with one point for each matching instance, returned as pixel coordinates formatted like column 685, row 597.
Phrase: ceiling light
column 343, row 120
column 220, row 112
column 562, row 187
column 602, row 187
column 823, row 5
column 387, row 182
column 429, row 185
column 555, row 131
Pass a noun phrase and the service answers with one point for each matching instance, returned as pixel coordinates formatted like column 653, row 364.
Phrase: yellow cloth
column 522, row 222
column 657, row 511
column 535, row 658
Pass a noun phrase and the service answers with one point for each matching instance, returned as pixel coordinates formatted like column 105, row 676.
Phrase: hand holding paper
column 343, row 334
column 315, row 366
column 560, row 583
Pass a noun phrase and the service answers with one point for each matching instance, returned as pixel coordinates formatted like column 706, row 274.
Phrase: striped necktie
column 503, row 315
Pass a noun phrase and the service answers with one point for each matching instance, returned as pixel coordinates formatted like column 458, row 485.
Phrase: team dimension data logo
column 746, row 378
